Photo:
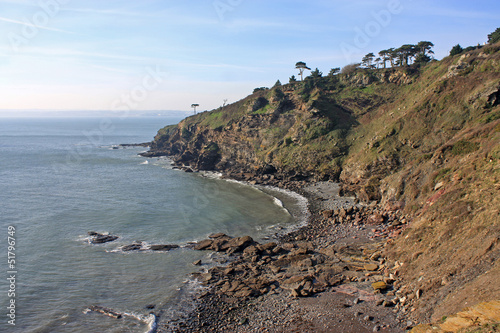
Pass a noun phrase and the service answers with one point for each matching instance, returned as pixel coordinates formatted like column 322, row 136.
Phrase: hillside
column 423, row 139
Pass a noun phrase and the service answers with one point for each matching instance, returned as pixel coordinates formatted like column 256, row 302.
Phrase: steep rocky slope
column 423, row 139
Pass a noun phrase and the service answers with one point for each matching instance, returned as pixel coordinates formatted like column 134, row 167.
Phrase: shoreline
column 357, row 306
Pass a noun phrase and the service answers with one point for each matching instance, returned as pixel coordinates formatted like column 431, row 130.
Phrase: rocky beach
column 330, row 275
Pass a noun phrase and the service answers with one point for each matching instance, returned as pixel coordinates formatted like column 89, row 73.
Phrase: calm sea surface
column 60, row 178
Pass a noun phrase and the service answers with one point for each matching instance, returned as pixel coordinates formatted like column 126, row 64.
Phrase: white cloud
column 33, row 25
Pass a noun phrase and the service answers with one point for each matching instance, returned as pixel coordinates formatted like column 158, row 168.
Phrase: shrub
column 260, row 89
column 457, row 49
column 494, row 36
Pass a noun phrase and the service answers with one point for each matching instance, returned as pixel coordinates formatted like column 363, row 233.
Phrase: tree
column 494, row 36
column 277, row 84
column 194, row 106
column 367, row 60
column 393, row 55
column 457, row 49
column 422, row 58
column 378, row 62
column 292, row 79
column 316, row 73
column 425, row 47
column 301, row 66
column 385, row 55
column 334, row 71
column 405, row 53
column 260, row 89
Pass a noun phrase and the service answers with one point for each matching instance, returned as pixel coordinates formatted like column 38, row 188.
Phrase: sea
column 63, row 177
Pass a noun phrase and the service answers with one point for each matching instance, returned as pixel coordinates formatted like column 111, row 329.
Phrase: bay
column 63, row 177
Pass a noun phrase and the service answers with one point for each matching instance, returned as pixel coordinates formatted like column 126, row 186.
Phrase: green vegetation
column 463, row 147
column 301, row 66
column 401, row 56
column 260, row 89
column 494, row 37
column 457, row 49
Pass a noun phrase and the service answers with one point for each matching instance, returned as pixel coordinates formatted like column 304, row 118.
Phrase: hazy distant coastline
column 91, row 113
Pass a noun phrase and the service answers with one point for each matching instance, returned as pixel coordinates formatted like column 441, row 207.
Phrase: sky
column 168, row 55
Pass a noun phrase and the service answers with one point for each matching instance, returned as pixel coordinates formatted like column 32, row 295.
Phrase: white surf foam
column 278, row 202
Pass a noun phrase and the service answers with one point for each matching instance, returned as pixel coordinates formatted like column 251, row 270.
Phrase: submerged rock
column 105, row 311
column 166, row 247
column 132, row 247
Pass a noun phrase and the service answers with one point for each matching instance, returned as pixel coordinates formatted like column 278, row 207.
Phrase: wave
column 278, row 202
column 150, row 320
column 211, row 174
column 145, row 162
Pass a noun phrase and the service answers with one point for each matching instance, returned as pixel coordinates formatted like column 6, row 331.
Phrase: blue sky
column 166, row 55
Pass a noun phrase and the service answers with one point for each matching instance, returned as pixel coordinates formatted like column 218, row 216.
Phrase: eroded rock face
column 494, row 96
column 476, row 318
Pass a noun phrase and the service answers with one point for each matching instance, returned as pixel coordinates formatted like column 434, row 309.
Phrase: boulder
column 203, row 245
column 370, row 267
column 218, row 243
column 97, row 238
column 375, row 219
column 330, row 279
column 379, row 285
column 237, row 244
column 251, row 250
column 218, row 235
column 327, row 214
column 268, row 247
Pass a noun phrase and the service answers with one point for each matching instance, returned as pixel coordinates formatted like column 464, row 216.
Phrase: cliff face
column 266, row 132
column 423, row 139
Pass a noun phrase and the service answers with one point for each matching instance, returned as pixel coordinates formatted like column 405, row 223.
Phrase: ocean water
column 61, row 178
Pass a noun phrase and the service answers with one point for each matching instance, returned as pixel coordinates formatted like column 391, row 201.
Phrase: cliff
column 423, row 139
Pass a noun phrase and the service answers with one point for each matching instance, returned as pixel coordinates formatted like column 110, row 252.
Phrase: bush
column 494, row 36
column 260, row 89
column 457, row 49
